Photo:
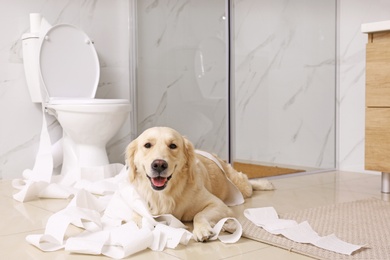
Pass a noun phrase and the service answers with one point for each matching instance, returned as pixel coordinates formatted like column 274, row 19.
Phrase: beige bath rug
column 260, row 171
column 364, row 222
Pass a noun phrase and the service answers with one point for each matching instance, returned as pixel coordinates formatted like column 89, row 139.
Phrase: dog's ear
column 190, row 155
column 130, row 152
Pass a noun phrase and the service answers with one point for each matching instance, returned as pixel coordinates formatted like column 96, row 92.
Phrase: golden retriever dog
column 173, row 179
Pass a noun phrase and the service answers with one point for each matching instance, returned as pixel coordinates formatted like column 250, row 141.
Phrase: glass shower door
column 182, row 70
column 285, row 83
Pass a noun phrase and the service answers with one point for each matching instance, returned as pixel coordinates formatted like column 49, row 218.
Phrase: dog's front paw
column 137, row 219
column 202, row 233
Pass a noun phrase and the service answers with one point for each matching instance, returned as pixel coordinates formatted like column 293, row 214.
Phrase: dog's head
column 160, row 154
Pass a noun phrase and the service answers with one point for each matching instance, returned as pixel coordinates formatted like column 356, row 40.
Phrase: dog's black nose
column 159, row 165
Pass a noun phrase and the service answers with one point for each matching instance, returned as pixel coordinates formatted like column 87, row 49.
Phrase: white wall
column 106, row 22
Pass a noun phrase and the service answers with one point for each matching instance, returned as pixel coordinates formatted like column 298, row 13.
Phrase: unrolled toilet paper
column 107, row 227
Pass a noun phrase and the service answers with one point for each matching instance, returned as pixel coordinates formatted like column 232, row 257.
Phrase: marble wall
column 106, row 22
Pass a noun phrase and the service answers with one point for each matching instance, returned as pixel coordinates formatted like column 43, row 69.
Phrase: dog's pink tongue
column 159, row 181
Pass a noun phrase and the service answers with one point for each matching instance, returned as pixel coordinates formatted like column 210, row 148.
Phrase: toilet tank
column 30, row 46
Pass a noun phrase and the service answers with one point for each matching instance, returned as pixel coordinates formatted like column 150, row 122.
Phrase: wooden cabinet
column 377, row 129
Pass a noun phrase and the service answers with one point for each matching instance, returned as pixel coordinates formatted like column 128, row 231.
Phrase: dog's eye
column 172, row 146
column 147, row 145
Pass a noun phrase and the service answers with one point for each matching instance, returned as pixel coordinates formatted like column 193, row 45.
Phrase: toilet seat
column 88, row 101
column 68, row 62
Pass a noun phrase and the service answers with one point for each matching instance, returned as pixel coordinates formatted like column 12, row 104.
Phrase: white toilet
column 62, row 71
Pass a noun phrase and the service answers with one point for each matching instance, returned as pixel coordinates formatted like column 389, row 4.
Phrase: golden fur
column 172, row 179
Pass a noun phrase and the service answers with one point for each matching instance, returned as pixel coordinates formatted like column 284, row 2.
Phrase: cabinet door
column 378, row 75
column 377, row 144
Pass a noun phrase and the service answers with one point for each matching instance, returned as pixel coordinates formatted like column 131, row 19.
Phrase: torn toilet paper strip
column 268, row 219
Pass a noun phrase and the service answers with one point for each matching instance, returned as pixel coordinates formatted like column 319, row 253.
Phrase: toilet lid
column 68, row 63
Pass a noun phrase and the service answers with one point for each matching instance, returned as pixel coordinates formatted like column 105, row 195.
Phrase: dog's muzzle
column 159, row 167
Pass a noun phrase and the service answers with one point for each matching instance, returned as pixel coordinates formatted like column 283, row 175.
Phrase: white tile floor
column 292, row 193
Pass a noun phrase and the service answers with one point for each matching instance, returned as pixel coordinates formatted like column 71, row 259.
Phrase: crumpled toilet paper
column 268, row 219
column 105, row 221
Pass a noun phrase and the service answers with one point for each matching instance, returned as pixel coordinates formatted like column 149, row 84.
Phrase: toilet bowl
column 87, row 128
column 62, row 72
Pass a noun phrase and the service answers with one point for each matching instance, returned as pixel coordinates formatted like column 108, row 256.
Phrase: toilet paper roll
column 35, row 22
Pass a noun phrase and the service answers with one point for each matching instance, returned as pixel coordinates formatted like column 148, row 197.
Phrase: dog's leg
column 245, row 185
column 240, row 180
column 261, row 184
column 207, row 218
